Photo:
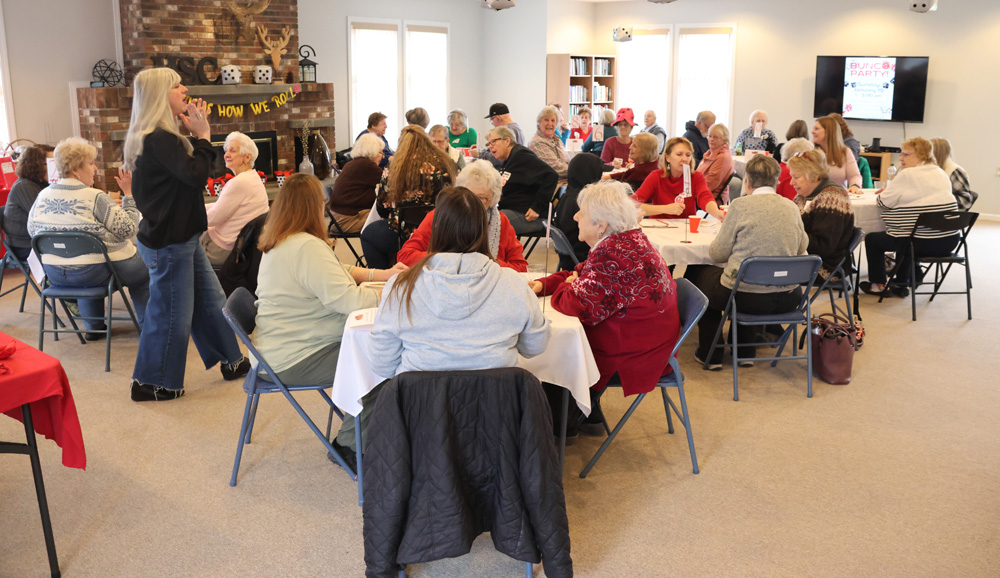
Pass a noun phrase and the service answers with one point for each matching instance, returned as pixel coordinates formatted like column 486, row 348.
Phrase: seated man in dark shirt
column 377, row 126
column 528, row 182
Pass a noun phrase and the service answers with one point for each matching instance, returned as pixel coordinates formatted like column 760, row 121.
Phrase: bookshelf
column 577, row 80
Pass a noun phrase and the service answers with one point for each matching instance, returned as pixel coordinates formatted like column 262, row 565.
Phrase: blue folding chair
column 771, row 272
column 691, row 304
column 561, row 244
column 241, row 313
column 70, row 244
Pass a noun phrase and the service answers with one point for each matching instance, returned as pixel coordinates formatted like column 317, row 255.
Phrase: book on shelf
column 578, row 67
column 602, row 66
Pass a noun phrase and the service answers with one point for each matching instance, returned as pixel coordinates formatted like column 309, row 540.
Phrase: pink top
column 846, row 175
column 717, row 165
column 242, row 199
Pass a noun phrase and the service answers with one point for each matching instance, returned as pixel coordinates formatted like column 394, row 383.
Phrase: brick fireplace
column 181, row 34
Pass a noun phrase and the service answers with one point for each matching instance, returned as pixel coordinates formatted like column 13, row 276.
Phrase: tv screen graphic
column 886, row 88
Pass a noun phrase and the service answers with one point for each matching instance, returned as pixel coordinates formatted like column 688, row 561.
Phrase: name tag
column 781, row 273
column 504, row 176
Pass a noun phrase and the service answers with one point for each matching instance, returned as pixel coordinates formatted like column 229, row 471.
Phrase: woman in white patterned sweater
column 72, row 204
column 920, row 187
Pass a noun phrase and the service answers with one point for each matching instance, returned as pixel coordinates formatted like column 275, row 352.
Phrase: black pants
column 380, row 245
column 708, row 279
column 878, row 244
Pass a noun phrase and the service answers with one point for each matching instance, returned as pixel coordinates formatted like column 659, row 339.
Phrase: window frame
column 402, row 27
column 674, row 32
column 8, row 97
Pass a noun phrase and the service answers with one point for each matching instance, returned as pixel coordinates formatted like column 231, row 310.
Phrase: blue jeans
column 185, row 300
column 521, row 225
column 380, row 245
column 131, row 272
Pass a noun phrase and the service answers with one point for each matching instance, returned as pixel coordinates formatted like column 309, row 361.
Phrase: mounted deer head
column 274, row 48
column 244, row 13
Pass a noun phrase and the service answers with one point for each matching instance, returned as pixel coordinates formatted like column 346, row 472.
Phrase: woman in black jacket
column 169, row 173
column 583, row 170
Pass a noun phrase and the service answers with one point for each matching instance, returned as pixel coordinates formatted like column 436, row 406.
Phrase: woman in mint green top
column 460, row 134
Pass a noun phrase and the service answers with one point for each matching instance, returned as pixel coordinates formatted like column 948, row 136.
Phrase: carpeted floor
column 894, row 475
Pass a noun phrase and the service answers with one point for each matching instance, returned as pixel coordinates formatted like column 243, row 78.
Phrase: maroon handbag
column 833, row 345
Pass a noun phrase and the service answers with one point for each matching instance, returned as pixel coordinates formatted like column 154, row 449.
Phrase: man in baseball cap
column 500, row 116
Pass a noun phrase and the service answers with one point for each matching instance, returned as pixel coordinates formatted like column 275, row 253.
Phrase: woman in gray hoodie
column 456, row 308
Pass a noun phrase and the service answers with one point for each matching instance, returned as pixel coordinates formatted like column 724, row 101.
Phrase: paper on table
column 362, row 318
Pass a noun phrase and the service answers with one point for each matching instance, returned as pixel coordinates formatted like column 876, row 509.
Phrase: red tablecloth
column 36, row 378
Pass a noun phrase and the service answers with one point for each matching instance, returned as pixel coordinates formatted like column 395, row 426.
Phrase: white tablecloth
column 567, row 362
column 867, row 214
column 669, row 240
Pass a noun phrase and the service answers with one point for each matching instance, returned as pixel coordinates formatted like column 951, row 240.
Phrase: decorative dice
column 231, row 74
column 218, row 186
column 281, row 176
column 262, row 74
column 263, row 177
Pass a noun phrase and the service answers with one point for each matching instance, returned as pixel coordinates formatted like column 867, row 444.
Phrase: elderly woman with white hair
column 439, row 136
column 354, row 190
column 485, row 182
column 749, row 139
column 460, row 134
column 606, row 118
column 795, row 146
column 623, row 295
column 72, row 204
column 547, row 145
column 242, row 199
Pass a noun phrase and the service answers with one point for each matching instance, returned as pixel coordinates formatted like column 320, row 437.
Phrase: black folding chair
column 10, row 259
column 718, row 192
column 841, row 275
column 412, row 216
column 957, row 222
column 771, row 271
column 70, row 244
column 336, row 232
column 691, row 305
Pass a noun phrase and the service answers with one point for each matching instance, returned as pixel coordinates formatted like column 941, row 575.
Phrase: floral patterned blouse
column 424, row 197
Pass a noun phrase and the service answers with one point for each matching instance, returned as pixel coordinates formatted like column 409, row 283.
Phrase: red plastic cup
column 693, row 222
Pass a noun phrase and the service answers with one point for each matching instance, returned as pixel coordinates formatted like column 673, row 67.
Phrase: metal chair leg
column 43, row 503
column 243, row 435
column 614, row 433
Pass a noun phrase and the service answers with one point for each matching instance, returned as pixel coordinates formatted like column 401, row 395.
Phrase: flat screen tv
column 889, row 88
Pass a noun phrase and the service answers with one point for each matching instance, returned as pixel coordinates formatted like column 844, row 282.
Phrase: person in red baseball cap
column 615, row 151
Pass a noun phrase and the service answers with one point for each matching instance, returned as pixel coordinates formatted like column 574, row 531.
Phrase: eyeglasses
column 490, row 143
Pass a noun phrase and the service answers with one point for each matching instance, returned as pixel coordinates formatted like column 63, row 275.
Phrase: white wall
column 323, row 25
column 777, row 45
column 514, row 63
column 571, row 27
column 49, row 44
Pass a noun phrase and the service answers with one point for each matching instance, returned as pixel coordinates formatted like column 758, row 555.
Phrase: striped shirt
column 916, row 190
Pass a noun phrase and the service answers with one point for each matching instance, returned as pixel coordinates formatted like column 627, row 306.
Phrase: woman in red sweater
column 623, row 294
column 484, row 181
column 663, row 189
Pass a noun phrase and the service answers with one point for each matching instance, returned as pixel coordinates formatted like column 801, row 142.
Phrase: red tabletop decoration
column 36, row 378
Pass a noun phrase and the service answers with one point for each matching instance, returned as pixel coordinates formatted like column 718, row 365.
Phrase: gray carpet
column 894, row 475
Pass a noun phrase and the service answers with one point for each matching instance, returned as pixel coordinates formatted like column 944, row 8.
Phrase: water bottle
column 892, row 171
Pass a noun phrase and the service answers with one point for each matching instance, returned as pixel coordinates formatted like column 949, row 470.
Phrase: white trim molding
column 8, row 97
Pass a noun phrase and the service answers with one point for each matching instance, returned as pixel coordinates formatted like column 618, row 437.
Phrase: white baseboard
column 988, row 217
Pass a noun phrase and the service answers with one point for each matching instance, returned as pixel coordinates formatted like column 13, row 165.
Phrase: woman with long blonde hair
column 417, row 173
column 304, row 294
column 169, row 172
column 827, row 137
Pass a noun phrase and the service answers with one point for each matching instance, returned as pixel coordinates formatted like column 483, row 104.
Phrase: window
column 427, row 71
column 678, row 71
column 704, row 74
column 395, row 66
column 644, row 74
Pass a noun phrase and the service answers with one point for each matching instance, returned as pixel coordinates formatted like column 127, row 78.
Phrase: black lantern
column 307, row 68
